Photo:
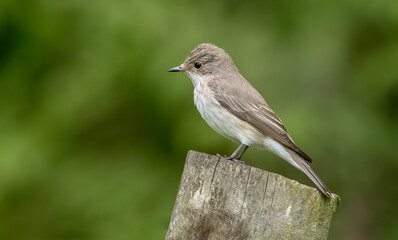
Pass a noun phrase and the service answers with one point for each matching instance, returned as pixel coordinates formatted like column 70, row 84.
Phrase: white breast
column 222, row 121
column 230, row 126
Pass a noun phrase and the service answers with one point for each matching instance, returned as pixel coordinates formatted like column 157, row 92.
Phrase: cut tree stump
column 222, row 199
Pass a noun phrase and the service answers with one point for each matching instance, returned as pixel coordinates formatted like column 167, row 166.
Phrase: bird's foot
column 231, row 158
column 225, row 156
column 238, row 161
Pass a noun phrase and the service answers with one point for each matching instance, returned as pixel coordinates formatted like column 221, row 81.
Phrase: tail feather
column 304, row 167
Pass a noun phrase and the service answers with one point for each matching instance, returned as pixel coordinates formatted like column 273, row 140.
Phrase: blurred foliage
column 94, row 131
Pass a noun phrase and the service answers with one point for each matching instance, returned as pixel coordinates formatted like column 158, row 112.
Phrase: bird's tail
column 310, row 173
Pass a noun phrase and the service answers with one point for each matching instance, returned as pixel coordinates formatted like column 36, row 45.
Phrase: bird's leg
column 243, row 151
column 234, row 154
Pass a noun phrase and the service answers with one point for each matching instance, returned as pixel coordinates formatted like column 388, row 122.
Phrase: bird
column 235, row 109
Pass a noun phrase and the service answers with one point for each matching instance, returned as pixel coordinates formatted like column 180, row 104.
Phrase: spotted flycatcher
column 234, row 109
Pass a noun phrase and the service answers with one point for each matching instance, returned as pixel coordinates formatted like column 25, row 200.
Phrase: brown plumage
column 234, row 108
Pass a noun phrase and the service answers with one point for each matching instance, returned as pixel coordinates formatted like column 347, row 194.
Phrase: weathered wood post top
column 222, row 199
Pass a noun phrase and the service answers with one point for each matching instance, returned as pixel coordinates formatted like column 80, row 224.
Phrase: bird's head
column 204, row 60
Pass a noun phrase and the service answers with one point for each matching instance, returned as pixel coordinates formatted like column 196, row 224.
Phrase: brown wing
column 261, row 116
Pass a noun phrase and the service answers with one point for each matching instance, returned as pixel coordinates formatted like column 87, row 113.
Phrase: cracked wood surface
column 222, row 199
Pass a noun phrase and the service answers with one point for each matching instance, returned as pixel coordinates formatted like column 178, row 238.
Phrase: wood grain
column 222, row 199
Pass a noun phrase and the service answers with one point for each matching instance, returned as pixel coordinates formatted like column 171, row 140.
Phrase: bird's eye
column 197, row 65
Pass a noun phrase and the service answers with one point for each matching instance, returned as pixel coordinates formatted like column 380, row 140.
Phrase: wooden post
column 222, row 199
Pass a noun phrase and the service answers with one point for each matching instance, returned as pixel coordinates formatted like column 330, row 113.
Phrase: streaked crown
column 207, row 58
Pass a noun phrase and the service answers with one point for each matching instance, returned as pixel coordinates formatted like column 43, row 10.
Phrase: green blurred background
column 94, row 131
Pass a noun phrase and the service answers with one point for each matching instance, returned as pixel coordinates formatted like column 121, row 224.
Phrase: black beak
column 176, row 69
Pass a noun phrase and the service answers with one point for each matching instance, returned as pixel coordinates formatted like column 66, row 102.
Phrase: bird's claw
column 225, row 156
column 239, row 161
column 230, row 158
